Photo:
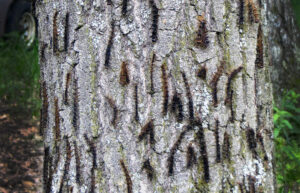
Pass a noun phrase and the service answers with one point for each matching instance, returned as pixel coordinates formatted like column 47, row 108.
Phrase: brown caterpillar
column 66, row 35
column 77, row 163
column 232, row 75
column 136, row 99
column 231, row 107
column 189, row 96
column 177, row 106
column 124, row 74
column 55, row 33
column 44, row 111
column 154, row 20
column 214, row 83
column 201, row 39
column 251, row 181
column 68, row 78
column 124, row 7
column 218, row 153
column 127, row 176
column 226, row 147
column 190, row 156
column 50, row 177
column 67, row 164
column 149, row 169
column 148, row 129
column 115, row 110
column 202, row 73
column 241, row 14
column 92, row 147
column 165, row 87
column 252, row 11
column 46, row 166
column 151, row 74
column 259, row 49
column 57, row 121
column 75, row 119
column 109, row 45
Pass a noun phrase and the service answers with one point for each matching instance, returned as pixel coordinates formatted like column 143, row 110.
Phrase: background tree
column 144, row 96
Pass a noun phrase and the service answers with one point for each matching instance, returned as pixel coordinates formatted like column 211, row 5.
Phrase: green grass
column 19, row 73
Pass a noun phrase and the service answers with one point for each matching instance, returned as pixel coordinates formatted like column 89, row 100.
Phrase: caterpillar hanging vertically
column 251, row 140
column 66, row 35
column 68, row 78
column 127, row 176
column 77, row 163
column 218, row 153
column 252, row 12
column 149, row 169
column 155, row 15
column 165, row 87
column 189, row 96
column 44, row 111
column 232, row 75
column 177, row 107
column 50, row 176
column 241, row 13
column 190, row 156
column 151, row 74
column 226, row 147
column 260, row 139
column 109, row 45
column 66, row 165
column 75, row 118
column 55, row 33
column 214, row 83
column 259, row 49
column 202, row 73
column 201, row 39
column 124, row 7
column 57, row 121
column 46, row 165
column 148, row 129
column 136, row 100
column 251, row 182
column 124, row 74
column 115, row 110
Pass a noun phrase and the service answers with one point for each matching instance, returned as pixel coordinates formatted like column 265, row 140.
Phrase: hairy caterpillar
column 154, row 20
column 115, row 110
column 92, row 147
column 151, row 74
column 44, row 111
column 251, row 140
column 127, row 176
column 55, row 33
column 149, row 169
column 148, row 129
column 68, row 78
column 67, row 164
column 50, row 177
column 261, row 142
column 214, row 83
column 253, row 13
column 109, row 45
column 189, row 96
column 124, row 74
column 202, row 73
column 124, row 7
column 218, row 153
column 251, row 181
column 46, row 165
column 66, row 35
column 75, row 118
column 177, row 105
column 136, row 99
column 232, row 75
column 226, row 147
column 190, row 156
column 201, row 39
column 259, row 49
column 57, row 121
column 77, row 163
column 241, row 14
column 165, row 87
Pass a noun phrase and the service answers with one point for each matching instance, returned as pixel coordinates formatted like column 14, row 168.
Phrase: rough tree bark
column 155, row 96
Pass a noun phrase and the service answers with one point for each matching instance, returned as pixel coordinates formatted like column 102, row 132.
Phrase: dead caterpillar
column 251, row 182
column 203, row 151
column 251, row 139
column 241, row 14
column 75, row 118
column 44, row 111
column 214, row 83
column 154, row 20
column 77, row 163
column 252, row 11
column 201, row 39
column 66, row 35
column 177, row 106
column 127, row 176
column 149, row 169
column 190, row 156
column 67, row 164
column 46, row 166
column 165, row 87
column 259, row 49
column 148, row 129
column 109, row 45
column 136, row 99
column 55, row 33
column 124, row 7
column 115, row 110
column 151, row 74
column 226, row 147
column 124, row 74
column 232, row 75
column 68, row 78
column 57, row 121
column 218, row 153
column 202, row 73
column 189, row 96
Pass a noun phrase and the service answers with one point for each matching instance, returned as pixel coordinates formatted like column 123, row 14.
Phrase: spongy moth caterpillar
column 66, row 35
column 50, row 177
column 136, row 100
column 251, row 182
column 127, row 176
column 252, row 11
column 55, row 33
column 250, row 133
column 67, row 164
column 241, row 14
column 148, row 129
column 259, row 48
column 203, row 151
column 124, row 74
column 214, row 83
column 109, row 45
column 165, row 87
column 218, row 153
column 57, row 121
column 115, row 110
column 75, row 107
column 202, row 73
column 154, row 20
column 77, row 163
column 92, row 148
column 232, row 75
column 46, row 165
column 44, row 111
column 177, row 106
column 190, row 156
column 149, row 169
column 226, row 147
column 189, row 96
column 201, row 39
column 151, row 74
column 124, row 7
column 68, row 78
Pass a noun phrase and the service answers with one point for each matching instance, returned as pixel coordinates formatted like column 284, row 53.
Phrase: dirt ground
column 21, row 152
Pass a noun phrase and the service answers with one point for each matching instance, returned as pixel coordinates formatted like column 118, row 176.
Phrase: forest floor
column 21, row 152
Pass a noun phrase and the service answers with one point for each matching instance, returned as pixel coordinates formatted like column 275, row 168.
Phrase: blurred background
column 21, row 146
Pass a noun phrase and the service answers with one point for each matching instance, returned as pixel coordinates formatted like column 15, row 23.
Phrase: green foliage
column 296, row 7
column 19, row 73
column 287, row 139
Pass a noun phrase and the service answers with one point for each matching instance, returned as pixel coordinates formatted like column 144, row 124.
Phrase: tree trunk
column 155, row 96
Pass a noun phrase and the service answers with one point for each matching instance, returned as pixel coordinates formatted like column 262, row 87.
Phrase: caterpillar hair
column 136, row 99
column 67, row 164
column 127, row 176
column 259, row 49
column 241, row 14
column 154, row 20
column 190, row 156
column 57, row 121
column 189, row 96
column 46, row 165
column 252, row 11
column 202, row 73
column 66, row 35
column 115, row 110
column 226, row 147
column 151, row 74
column 77, row 163
column 218, row 153
column 44, row 111
column 165, row 88
column 68, row 78
column 202, row 38
column 124, row 7
column 109, row 46
column 149, row 169
column 124, row 74
column 75, row 119
column 50, row 177
column 55, row 33
column 177, row 105
column 214, row 83
column 232, row 75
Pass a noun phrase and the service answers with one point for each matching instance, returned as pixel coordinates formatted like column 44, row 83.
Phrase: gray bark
column 94, row 125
